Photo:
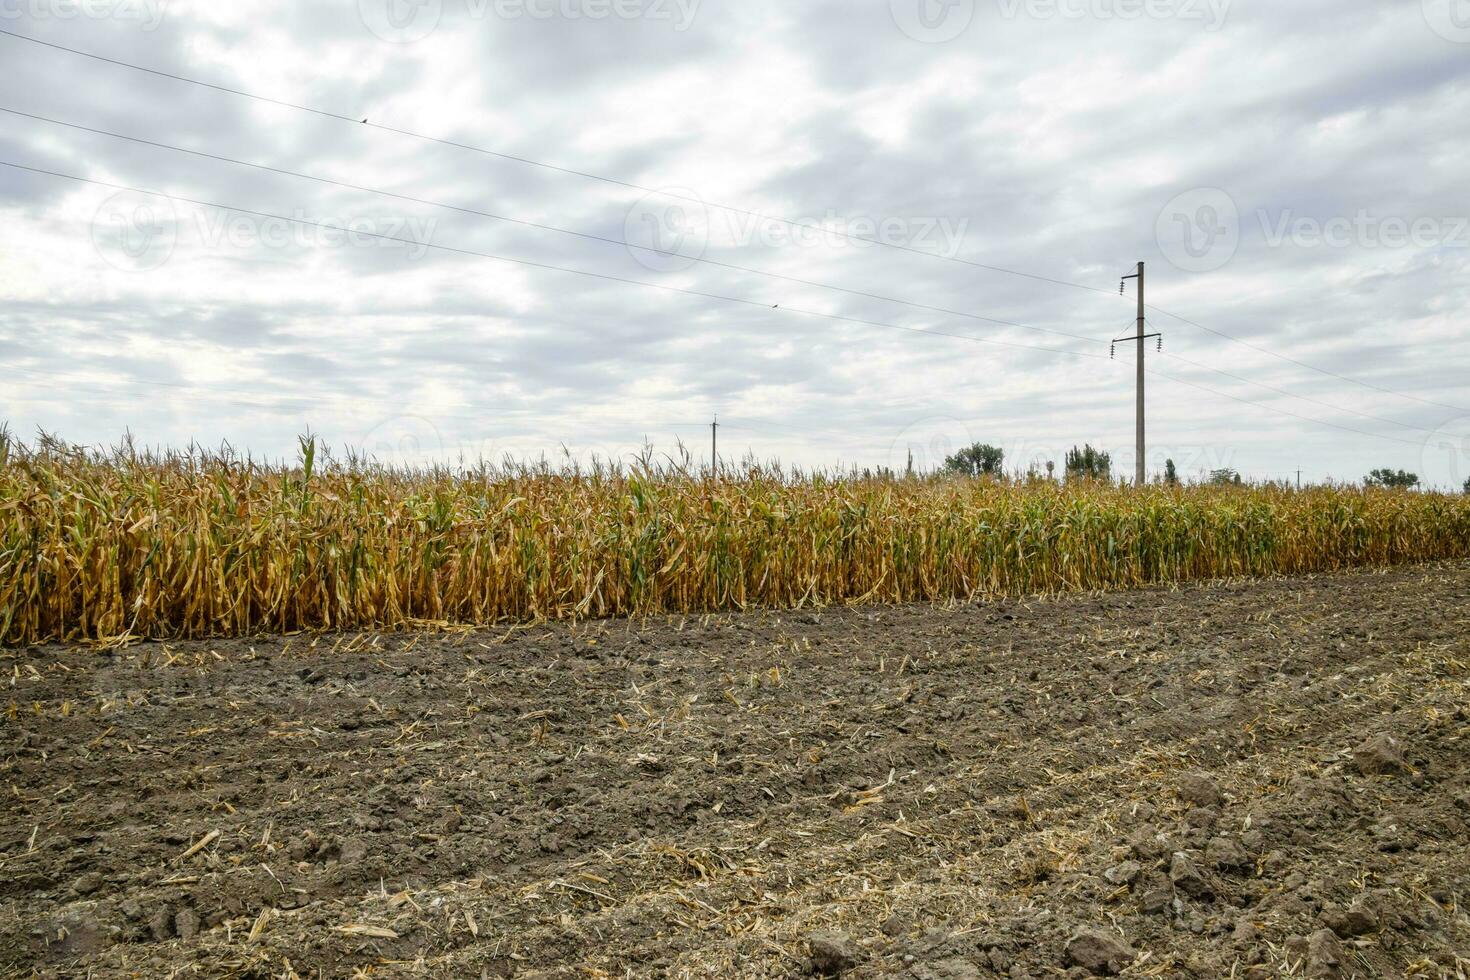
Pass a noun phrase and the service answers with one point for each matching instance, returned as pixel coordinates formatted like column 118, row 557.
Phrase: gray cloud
column 1048, row 144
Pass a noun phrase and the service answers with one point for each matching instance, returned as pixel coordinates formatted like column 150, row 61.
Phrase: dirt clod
column 187, row 923
column 1325, row 954
column 1227, row 854
column 1201, row 818
column 161, row 925
column 87, row 883
column 694, row 796
column 833, row 953
column 1245, row 933
column 1188, row 878
column 953, row 968
column 1199, row 789
column 353, row 851
column 1099, row 953
column 1358, row 919
column 1155, row 895
column 1381, row 755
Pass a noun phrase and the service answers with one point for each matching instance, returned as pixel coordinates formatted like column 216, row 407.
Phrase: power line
column 664, row 287
column 1291, row 360
column 713, row 262
column 1278, row 411
column 734, row 209
column 622, row 243
column 1289, row 394
column 553, row 268
column 694, row 199
column 1285, row 393
column 1279, row 391
column 660, row 286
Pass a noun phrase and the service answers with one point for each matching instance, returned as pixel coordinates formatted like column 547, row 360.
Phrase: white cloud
column 1051, row 143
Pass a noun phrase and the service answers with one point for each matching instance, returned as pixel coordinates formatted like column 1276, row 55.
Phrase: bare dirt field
column 1245, row 779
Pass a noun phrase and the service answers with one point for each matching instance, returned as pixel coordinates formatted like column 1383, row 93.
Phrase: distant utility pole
column 714, row 446
column 1142, row 474
column 1298, row 479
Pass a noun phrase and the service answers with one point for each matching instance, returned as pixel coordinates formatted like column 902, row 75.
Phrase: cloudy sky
column 765, row 206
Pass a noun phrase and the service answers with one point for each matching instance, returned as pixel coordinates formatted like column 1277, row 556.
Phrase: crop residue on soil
column 1253, row 779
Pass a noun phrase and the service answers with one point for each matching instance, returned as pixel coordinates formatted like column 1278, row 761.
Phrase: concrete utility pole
column 714, row 446
column 1142, row 468
column 1142, row 459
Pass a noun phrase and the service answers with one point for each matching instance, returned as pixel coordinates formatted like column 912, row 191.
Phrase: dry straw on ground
column 97, row 546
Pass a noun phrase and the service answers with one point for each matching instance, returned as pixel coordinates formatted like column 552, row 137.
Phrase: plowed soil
column 1241, row 779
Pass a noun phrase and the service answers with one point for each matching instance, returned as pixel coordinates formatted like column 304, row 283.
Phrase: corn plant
column 101, row 545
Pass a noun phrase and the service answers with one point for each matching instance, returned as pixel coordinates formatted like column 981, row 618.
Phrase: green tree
column 1467, row 486
column 1225, row 478
column 1171, row 475
column 978, row 460
column 1088, row 463
column 1392, row 479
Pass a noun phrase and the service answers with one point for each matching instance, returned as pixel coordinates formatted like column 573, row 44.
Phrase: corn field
column 99, row 546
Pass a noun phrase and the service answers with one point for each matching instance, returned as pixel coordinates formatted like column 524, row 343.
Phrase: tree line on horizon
column 982, row 460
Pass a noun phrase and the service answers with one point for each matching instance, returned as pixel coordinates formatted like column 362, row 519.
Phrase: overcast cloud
column 1294, row 176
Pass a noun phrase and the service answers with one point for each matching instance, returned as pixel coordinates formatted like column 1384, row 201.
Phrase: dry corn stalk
column 102, row 546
